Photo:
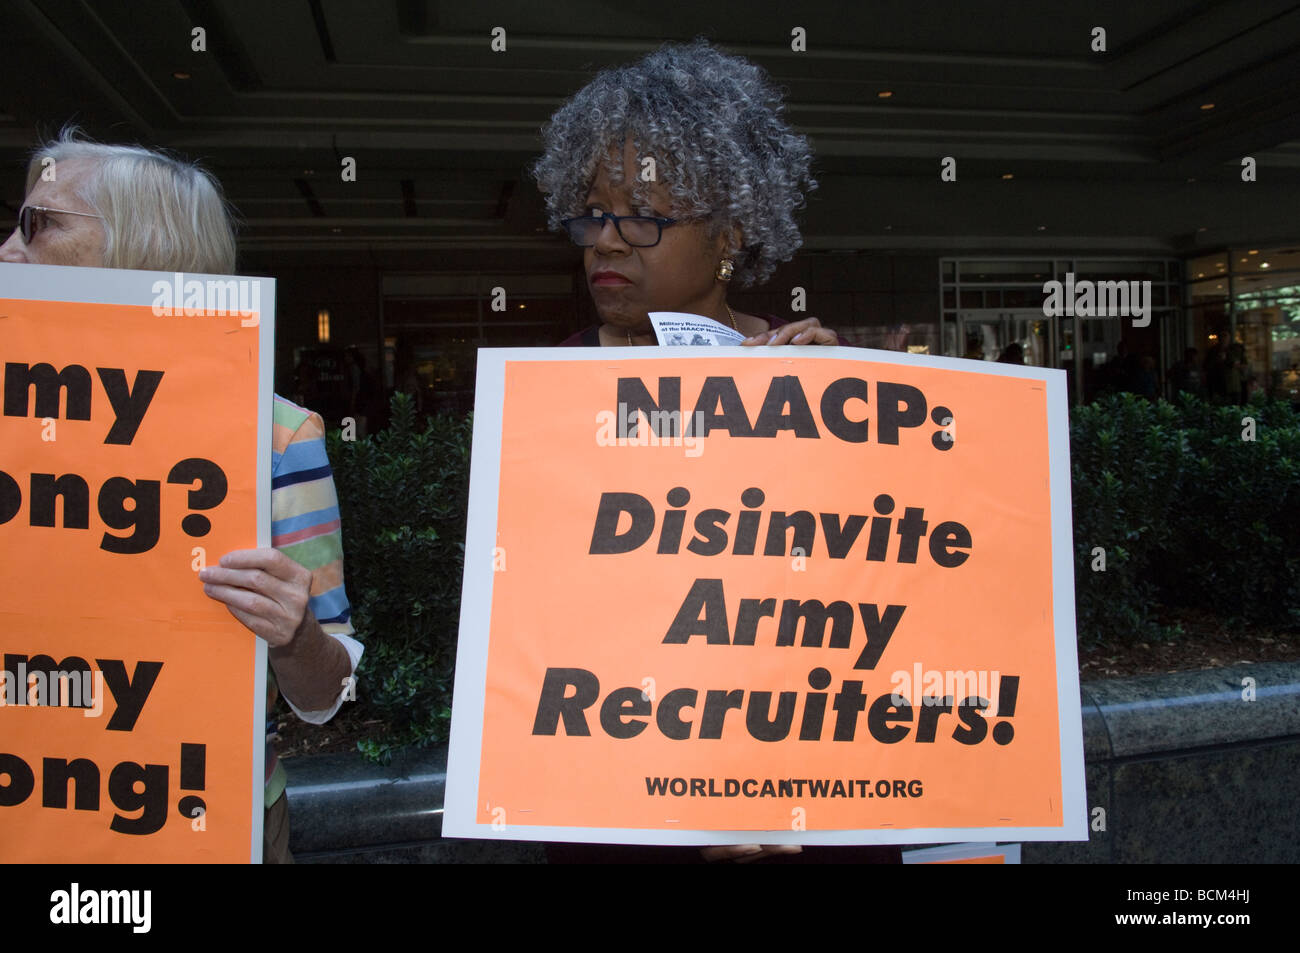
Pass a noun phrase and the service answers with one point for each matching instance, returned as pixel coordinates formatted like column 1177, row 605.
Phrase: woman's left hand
column 265, row 590
column 745, row 853
column 270, row 594
column 807, row 331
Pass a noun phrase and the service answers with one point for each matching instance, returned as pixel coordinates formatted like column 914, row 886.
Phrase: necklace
column 730, row 314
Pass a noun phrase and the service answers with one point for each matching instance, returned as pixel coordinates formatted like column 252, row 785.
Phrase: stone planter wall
column 1184, row 768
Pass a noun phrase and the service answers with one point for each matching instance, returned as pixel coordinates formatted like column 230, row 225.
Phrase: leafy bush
column 1125, row 456
column 1239, row 532
column 403, row 496
column 1188, row 512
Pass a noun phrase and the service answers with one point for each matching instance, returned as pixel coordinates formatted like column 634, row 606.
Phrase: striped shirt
column 305, row 527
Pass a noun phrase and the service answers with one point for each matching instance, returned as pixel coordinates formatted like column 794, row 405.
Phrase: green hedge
column 1189, row 513
column 402, row 498
column 1186, row 511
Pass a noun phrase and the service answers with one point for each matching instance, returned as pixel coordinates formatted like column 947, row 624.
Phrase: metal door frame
column 1004, row 316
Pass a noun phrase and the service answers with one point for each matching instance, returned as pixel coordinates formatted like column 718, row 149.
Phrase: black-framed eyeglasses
column 639, row 231
column 31, row 219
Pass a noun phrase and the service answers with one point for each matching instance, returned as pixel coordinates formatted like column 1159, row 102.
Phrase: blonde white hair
column 161, row 213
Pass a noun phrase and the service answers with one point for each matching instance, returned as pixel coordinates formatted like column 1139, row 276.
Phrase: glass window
column 1207, row 266
column 1209, row 290
column 1117, row 269
column 1004, row 271
column 1255, row 260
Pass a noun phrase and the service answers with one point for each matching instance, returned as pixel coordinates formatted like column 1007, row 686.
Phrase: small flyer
column 673, row 328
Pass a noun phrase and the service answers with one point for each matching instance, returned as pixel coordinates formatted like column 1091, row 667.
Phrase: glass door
column 991, row 334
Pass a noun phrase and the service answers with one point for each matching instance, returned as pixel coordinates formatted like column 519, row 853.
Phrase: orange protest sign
column 823, row 594
column 135, row 449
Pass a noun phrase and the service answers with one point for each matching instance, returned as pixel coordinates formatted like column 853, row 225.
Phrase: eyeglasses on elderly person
column 32, row 219
column 639, row 231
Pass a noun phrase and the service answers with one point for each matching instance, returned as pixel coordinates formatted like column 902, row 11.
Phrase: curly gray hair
column 713, row 123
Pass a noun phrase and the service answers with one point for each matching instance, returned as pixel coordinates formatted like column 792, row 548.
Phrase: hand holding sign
column 746, row 853
column 268, row 592
column 807, row 331
column 265, row 590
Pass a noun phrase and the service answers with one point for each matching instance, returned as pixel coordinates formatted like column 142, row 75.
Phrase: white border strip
column 265, row 330
column 466, row 743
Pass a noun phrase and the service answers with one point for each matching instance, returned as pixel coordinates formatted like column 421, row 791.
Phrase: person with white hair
column 117, row 206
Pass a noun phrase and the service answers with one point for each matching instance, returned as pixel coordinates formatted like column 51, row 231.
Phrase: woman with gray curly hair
column 678, row 175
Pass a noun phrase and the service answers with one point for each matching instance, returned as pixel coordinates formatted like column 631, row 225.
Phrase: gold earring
column 725, row 268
